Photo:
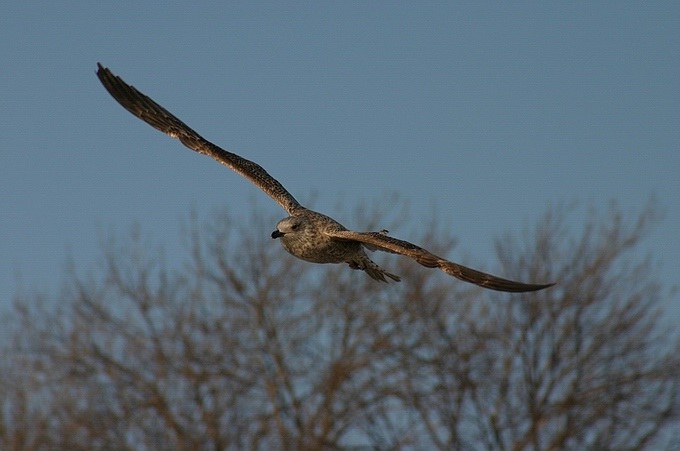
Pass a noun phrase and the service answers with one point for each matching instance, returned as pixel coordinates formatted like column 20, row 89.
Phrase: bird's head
column 288, row 226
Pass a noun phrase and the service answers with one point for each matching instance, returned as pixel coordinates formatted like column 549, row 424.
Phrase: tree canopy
column 244, row 347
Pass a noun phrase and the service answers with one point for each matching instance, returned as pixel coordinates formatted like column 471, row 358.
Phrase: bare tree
column 587, row 365
column 244, row 347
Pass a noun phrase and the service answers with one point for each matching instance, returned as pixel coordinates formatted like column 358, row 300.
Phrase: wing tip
column 102, row 70
column 538, row 287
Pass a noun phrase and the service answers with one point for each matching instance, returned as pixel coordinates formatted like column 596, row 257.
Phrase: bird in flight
column 306, row 234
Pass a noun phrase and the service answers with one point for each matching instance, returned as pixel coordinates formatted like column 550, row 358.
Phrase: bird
column 304, row 233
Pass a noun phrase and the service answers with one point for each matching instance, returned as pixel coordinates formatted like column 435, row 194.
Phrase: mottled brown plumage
column 306, row 234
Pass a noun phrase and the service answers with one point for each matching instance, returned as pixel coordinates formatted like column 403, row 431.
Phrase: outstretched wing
column 388, row 244
column 161, row 119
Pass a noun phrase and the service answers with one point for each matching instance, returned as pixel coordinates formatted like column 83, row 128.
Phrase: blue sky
column 490, row 113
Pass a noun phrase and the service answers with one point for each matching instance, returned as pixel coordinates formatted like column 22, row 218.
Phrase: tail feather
column 373, row 270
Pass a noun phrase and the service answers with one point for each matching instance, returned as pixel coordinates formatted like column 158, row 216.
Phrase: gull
column 306, row 234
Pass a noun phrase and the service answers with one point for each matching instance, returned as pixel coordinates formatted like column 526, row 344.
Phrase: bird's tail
column 372, row 269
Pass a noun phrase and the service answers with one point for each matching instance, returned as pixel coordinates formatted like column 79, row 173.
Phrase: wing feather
column 161, row 119
column 430, row 260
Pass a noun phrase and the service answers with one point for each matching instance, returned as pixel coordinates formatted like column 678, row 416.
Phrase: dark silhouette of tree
column 243, row 347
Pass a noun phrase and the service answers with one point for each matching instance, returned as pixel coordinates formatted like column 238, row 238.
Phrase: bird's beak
column 276, row 234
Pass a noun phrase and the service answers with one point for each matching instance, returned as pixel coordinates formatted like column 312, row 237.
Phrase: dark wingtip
column 103, row 74
column 543, row 286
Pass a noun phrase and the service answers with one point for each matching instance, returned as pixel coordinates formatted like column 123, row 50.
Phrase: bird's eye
column 295, row 226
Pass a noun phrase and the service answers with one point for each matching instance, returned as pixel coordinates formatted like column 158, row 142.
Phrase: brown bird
column 306, row 234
